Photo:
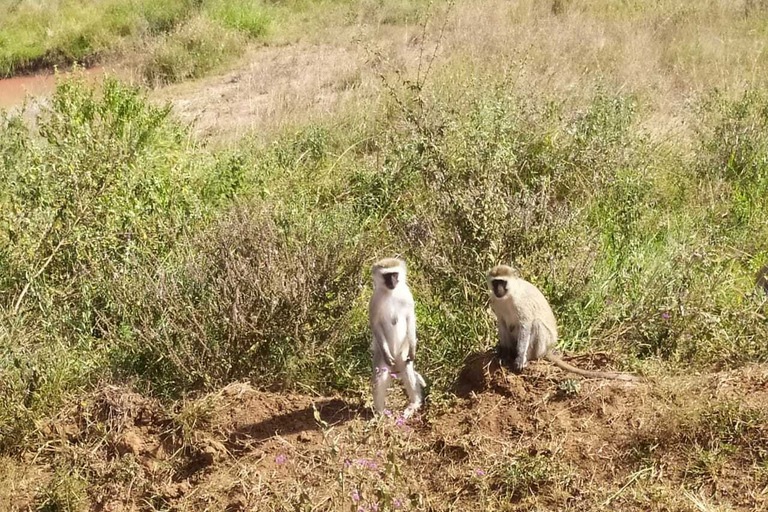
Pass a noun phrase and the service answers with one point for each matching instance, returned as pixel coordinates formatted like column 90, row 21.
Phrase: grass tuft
column 190, row 51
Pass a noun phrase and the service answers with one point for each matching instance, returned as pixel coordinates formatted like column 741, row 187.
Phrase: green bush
column 107, row 185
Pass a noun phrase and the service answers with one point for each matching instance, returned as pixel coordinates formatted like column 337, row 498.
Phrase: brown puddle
column 14, row 90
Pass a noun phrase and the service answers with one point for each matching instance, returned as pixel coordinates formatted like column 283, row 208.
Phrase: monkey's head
column 389, row 272
column 499, row 278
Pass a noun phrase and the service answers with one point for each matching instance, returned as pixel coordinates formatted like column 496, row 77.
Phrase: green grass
column 247, row 16
column 38, row 35
column 171, row 40
column 190, row 51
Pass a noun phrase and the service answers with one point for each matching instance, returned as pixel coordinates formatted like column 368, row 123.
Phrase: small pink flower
column 375, row 507
column 280, row 459
column 355, row 496
column 400, row 421
column 387, row 413
column 347, row 463
column 479, row 472
column 372, row 465
column 665, row 316
column 397, row 503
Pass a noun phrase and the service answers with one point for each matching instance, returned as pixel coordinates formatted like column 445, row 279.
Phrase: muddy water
column 14, row 90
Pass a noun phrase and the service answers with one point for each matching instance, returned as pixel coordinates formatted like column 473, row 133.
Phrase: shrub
column 262, row 293
column 107, row 185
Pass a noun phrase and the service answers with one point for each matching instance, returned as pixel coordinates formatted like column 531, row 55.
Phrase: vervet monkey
column 526, row 324
column 761, row 279
column 393, row 322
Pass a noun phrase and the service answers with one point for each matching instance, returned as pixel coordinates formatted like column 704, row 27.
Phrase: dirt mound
column 538, row 440
column 483, row 371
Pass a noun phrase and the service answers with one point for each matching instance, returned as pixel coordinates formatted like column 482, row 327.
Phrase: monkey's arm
column 381, row 343
column 523, row 342
column 504, row 338
column 504, row 347
column 411, row 335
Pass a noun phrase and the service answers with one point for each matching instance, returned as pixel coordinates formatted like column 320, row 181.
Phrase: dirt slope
column 504, row 442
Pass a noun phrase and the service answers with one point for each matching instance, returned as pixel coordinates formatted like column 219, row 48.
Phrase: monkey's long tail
column 587, row 373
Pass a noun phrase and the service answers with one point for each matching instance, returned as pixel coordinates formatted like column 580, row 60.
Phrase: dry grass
column 665, row 56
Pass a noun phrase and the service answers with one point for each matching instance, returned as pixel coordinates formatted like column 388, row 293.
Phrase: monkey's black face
column 499, row 287
column 390, row 280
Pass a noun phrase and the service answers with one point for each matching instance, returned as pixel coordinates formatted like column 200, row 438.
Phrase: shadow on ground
column 333, row 411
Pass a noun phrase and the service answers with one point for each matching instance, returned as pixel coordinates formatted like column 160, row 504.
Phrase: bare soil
column 505, row 441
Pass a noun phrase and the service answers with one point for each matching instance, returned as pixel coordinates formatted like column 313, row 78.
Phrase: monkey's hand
column 518, row 364
column 412, row 354
column 390, row 361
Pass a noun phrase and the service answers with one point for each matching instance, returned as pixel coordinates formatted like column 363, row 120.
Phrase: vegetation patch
column 143, row 271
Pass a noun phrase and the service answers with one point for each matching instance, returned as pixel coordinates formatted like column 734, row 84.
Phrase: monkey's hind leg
column 414, row 384
column 381, row 380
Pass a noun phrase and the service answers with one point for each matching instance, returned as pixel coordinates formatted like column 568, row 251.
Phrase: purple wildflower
column 400, row 421
column 280, row 459
column 347, row 463
column 372, row 465
column 397, row 503
column 361, row 509
column 387, row 413
column 375, row 507
column 355, row 496
column 608, row 301
column 479, row 472
column 665, row 316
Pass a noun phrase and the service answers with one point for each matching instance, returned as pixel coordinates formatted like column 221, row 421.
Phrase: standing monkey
column 527, row 326
column 393, row 322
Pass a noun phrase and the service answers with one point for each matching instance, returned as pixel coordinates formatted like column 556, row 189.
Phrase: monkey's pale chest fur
column 394, row 323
